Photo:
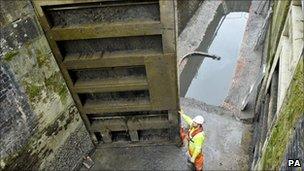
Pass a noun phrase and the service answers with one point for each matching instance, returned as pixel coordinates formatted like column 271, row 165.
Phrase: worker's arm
column 198, row 144
column 187, row 119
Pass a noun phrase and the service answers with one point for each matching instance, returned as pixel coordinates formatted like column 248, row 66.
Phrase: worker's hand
column 181, row 112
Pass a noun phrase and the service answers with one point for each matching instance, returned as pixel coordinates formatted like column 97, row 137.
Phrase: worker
column 195, row 138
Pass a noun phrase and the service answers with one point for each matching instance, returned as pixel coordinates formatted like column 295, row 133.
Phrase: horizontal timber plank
column 124, row 144
column 63, row 2
column 108, row 59
column 113, row 124
column 82, row 3
column 111, row 85
column 147, row 122
column 120, row 123
column 106, row 30
column 95, row 106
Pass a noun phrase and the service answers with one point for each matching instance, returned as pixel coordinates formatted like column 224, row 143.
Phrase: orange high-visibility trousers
column 199, row 161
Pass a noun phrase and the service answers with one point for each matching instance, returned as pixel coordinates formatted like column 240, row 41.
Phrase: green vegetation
column 63, row 93
column 33, row 91
column 10, row 55
column 41, row 58
column 292, row 111
column 276, row 28
column 23, row 159
column 57, row 84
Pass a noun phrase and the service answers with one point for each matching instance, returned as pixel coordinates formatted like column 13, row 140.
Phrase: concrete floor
column 225, row 147
column 227, row 138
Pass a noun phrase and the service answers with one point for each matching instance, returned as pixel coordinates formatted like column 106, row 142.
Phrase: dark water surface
column 208, row 80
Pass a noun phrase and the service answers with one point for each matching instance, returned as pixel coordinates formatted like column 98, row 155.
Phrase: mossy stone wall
column 285, row 133
column 281, row 135
column 40, row 126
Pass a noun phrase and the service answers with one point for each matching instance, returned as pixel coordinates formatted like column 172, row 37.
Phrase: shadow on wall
column 185, row 10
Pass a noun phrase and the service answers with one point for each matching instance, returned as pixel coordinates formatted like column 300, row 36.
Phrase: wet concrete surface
column 140, row 158
column 211, row 82
column 225, row 146
column 219, row 32
column 227, row 139
column 249, row 64
column 191, row 37
column 201, row 28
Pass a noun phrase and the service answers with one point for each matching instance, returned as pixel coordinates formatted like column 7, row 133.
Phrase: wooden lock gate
column 118, row 58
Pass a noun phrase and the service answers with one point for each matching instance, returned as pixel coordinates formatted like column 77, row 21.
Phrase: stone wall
column 40, row 125
column 296, row 147
column 281, row 133
column 279, row 111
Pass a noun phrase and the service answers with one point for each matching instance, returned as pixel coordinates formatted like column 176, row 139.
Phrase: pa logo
column 294, row 163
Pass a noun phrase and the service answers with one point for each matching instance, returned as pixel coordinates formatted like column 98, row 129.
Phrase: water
column 211, row 79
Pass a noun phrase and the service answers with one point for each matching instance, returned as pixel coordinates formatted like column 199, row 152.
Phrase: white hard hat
column 198, row 119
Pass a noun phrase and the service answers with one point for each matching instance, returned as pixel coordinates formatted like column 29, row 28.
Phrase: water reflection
column 209, row 82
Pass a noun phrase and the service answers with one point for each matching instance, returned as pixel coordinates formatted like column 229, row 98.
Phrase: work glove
column 181, row 111
column 192, row 160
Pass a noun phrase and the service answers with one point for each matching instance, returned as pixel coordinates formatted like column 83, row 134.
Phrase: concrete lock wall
column 40, row 125
column 279, row 111
column 185, row 10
